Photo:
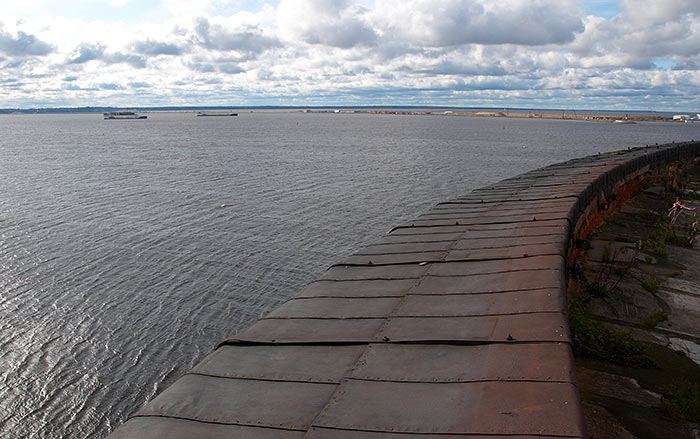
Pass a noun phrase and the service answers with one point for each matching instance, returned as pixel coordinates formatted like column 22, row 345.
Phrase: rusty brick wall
column 453, row 325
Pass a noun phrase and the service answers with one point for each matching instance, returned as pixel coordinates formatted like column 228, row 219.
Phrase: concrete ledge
column 453, row 324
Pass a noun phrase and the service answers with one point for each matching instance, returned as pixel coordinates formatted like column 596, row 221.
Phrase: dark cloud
column 70, row 78
column 87, row 52
column 96, row 52
column 230, row 68
column 138, row 62
column 110, row 86
column 154, row 48
column 203, row 67
column 76, row 87
column 249, row 41
column 450, row 67
column 23, row 45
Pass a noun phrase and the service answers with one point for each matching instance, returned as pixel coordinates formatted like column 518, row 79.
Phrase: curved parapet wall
column 453, row 324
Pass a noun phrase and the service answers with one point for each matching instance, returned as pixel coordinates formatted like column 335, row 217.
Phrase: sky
column 562, row 54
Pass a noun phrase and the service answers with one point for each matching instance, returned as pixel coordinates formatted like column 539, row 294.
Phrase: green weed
column 654, row 319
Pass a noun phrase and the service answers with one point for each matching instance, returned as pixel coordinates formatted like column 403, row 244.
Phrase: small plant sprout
column 679, row 209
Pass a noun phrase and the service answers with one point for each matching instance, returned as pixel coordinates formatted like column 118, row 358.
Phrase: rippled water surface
column 128, row 249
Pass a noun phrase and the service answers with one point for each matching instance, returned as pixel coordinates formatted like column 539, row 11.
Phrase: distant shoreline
column 525, row 114
column 583, row 115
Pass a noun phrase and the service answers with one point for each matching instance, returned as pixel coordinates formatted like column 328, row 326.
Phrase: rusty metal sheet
column 556, row 233
column 156, row 427
column 412, row 229
column 333, row 433
column 336, row 308
column 531, row 192
column 411, row 247
column 498, row 266
column 527, row 328
column 561, row 210
column 319, row 364
column 358, row 288
column 505, row 198
column 563, row 223
column 521, row 408
column 421, row 238
column 506, row 252
column 243, row 402
column 517, row 241
column 508, row 204
column 513, row 218
column 514, row 302
column 349, row 272
column 491, row 283
column 448, row 363
column 310, row 331
column 396, row 258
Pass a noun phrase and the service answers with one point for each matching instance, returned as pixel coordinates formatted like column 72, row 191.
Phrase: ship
column 123, row 115
column 204, row 114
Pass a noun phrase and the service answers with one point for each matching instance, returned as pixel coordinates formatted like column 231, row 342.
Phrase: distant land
column 573, row 114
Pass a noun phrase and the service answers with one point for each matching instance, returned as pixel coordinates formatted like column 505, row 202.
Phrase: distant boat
column 204, row 114
column 624, row 121
column 123, row 115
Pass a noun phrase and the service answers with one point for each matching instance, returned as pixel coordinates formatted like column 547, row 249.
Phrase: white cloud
column 454, row 22
column 451, row 52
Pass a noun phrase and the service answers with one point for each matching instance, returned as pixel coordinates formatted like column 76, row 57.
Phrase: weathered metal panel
column 279, row 404
column 310, row 331
column 410, row 247
column 521, row 408
column 562, row 223
column 336, row 308
column 156, row 427
column 420, row 238
column 332, row 433
column 449, row 363
column 544, row 327
column 512, row 218
column 499, row 266
column 358, row 288
column 491, row 283
column 524, row 232
column 505, row 198
column 349, row 272
column 506, row 252
column 317, row 364
column 556, row 240
column 517, row 302
column 476, row 211
column 396, row 258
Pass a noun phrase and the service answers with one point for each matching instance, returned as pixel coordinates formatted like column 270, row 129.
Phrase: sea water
column 130, row 248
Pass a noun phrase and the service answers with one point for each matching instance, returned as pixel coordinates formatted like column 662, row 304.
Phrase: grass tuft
column 592, row 339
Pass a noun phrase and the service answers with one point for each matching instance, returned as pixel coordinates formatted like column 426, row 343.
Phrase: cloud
column 97, row 52
column 87, row 52
column 110, row 86
column 248, row 40
column 154, row 48
column 23, row 45
column 454, row 22
column 451, row 52
column 335, row 23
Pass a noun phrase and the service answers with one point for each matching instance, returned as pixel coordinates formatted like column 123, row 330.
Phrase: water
column 128, row 249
